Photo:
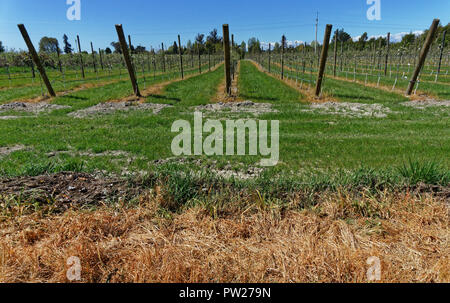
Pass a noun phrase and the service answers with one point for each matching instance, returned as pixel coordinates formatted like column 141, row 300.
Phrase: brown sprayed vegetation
column 245, row 241
column 80, row 87
column 222, row 96
column 158, row 88
column 419, row 95
column 307, row 90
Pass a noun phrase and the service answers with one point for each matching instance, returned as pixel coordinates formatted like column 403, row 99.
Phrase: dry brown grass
column 420, row 95
column 158, row 89
column 306, row 90
column 328, row 243
column 222, row 96
column 80, row 87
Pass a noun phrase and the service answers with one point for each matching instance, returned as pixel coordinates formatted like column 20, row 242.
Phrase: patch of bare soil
column 67, row 189
column 358, row 110
column 423, row 104
column 14, row 117
column 5, row 151
column 226, row 172
column 34, row 108
column 110, row 153
column 442, row 192
column 111, row 107
column 237, row 107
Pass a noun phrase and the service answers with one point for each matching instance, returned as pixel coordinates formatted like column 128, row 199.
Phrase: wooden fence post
column 81, row 57
column 283, row 42
column 226, row 48
column 423, row 55
column 387, row 53
column 335, row 52
column 127, row 59
column 163, row 57
column 269, row 55
column 58, row 52
column 93, row 58
column 101, row 58
column 323, row 58
column 130, row 45
column 36, row 59
column 199, row 59
column 33, row 74
column 440, row 56
column 181, row 57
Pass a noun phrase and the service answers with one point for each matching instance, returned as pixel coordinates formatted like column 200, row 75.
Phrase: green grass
column 260, row 87
column 314, row 147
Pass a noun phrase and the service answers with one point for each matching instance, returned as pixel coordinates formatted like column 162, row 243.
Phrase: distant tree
column 408, row 39
column 174, row 48
column 199, row 38
column 241, row 49
column 214, row 37
column 254, row 46
column 67, row 46
column 140, row 49
column 342, row 36
column 199, row 41
column 48, row 45
column 362, row 41
column 117, row 48
column 189, row 46
column 276, row 47
column 243, row 46
column 108, row 50
column 2, row 48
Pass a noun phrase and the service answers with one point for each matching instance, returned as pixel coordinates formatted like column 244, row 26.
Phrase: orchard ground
column 362, row 172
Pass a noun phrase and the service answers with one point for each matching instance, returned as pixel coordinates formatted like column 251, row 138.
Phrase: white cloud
column 295, row 43
column 394, row 37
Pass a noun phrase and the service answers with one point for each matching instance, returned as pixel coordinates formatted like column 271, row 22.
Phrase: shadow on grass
column 254, row 98
column 163, row 98
column 75, row 97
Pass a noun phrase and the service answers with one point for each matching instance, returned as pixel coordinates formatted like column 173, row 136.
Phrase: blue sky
column 152, row 22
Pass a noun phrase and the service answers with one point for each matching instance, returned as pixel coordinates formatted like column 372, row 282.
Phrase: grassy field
column 349, row 185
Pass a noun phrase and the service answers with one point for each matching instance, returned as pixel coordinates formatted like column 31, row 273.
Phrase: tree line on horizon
column 213, row 43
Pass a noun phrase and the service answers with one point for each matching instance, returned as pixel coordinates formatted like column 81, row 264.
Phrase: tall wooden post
column 130, row 45
column 58, row 52
column 163, row 57
column 270, row 46
column 33, row 74
column 93, row 58
column 181, row 57
column 323, row 58
column 101, row 58
column 440, row 56
column 387, row 53
column 209, row 60
column 199, row 59
column 423, row 55
column 81, row 57
column 379, row 55
column 36, row 59
column 335, row 52
column 127, row 59
column 232, row 52
column 226, row 48
column 283, row 42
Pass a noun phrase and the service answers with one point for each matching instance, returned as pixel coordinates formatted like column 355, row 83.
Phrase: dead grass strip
column 328, row 243
column 306, row 90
